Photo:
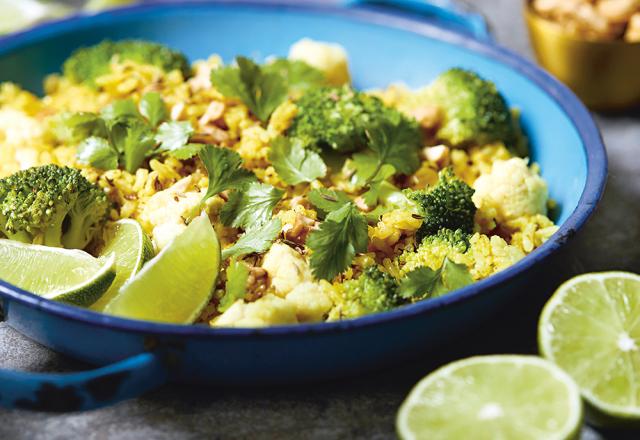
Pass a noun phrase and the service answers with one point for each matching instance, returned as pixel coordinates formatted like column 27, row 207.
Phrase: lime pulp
column 493, row 397
column 175, row 286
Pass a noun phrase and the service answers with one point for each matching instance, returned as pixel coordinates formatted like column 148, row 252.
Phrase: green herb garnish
column 424, row 282
column 260, row 90
column 336, row 242
column 256, row 239
column 294, row 163
column 252, row 206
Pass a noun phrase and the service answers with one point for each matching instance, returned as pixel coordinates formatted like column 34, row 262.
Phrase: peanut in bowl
column 598, row 58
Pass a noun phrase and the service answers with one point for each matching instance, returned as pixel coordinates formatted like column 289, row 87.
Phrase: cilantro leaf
column 366, row 167
column 98, row 153
column 424, row 282
column 236, row 288
column 260, row 90
column 187, row 151
column 153, row 108
column 256, row 239
column 327, row 200
column 370, row 174
column 336, row 242
column 133, row 138
column 394, row 145
column 253, row 205
column 225, row 170
column 419, row 283
column 173, row 135
column 389, row 198
column 294, row 163
column 454, row 276
column 75, row 127
column 127, row 137
column 393, row 148
column 298, row 75
column 119, row 108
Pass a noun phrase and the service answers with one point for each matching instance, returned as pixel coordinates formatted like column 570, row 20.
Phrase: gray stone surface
column 363, row 407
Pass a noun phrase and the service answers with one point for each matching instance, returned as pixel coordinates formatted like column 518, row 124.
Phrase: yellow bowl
column 604, row 74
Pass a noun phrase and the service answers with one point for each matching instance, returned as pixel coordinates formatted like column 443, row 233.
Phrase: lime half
column 176, row 285
column 132, row 249
column 67, row 275
column 591, row 329
column 493, row 397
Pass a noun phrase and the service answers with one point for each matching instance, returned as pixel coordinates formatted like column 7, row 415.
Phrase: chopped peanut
column 439, row 155
column 617, row 11
column 591, row 19
column 428, row 116
column 633, row 29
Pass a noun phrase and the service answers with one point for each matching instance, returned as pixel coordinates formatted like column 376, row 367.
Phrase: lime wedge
column 132, row 249
column 591, row 329
column 67, row 275
column 16, row 15
column 176, row 284
column 493, row 397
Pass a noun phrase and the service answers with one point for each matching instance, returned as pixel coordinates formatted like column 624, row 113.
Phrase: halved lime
column 493, row 397
column 591, row 329
column 176, row 285
column 67, row 275
column 15, row 15
column 132, row 249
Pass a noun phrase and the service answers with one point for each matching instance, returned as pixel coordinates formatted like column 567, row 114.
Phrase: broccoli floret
column 457, row 240
column 474, row 112
column 338, row 118
column 433, row 250
column 446, row 205
column 88, row 63
column 372, row 292
column 51, row 205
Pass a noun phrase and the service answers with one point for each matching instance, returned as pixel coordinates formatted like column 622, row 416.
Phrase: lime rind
column 89, row 292
column 123, row 236
column 435, row 386
column 69, row 275
column 600, row 411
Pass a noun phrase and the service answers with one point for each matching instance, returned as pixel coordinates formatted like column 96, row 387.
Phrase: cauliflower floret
column 21, row 140
column 512, row 189
column 311, row 300
column 331, row 58
column 491, row 255
column 163, row 215
column 268, row 310
column 18, row 128
column 286, row 268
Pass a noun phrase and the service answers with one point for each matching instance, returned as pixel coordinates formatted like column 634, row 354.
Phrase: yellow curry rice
column 161, row 194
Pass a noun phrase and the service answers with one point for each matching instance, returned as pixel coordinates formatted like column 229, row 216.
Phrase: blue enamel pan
column 410, row 41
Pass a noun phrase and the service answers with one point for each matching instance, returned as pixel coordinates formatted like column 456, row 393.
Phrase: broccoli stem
column 75, row 237
column 53, row 233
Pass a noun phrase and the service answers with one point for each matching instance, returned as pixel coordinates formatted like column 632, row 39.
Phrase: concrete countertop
column 364, row 407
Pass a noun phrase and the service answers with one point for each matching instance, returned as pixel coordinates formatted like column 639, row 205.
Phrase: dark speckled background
column 364, row 407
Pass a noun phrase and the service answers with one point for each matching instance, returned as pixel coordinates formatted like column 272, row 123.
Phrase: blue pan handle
column 85, row 390
column 448, row 11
